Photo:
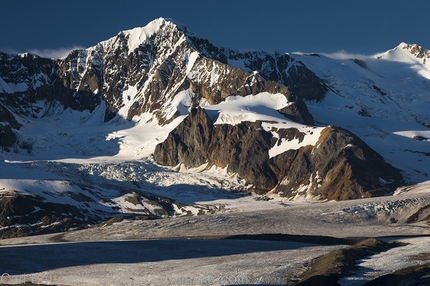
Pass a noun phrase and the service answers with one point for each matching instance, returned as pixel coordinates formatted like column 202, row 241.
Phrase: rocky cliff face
column 339, row 166
column 277, row 67
column 141, row 71
column 242, row 148
column 297, row 111
column 165, row 71
column 417, row 51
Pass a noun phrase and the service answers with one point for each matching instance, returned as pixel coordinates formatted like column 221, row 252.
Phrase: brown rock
column 188, row 142
column 242, row 147
column 340, row 166
column 297, row 111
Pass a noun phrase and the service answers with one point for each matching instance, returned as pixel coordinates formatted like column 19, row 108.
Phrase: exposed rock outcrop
column 188, row 143
column 7, row 122
column 15, row 210
column 276, row 67
column 418, row 51
column 7, row 136
column 29, row 214
column 339, row 166
column 420, row 138
column 297, row 111
column 241, row 148
column 142, row 70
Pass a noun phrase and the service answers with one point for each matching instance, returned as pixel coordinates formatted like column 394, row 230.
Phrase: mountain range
column 155, row 120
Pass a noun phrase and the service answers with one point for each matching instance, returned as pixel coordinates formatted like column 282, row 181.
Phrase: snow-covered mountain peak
column 133, row 38
column 99, row 118
column 416, row 50
column 407, row 53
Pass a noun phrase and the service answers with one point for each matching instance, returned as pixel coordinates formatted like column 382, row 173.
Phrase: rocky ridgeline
column 131, row 78
column 29, row 214
column 339, row 166
column 144, row 69
column 418, row 51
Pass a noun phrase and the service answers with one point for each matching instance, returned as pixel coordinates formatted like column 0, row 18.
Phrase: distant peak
column 171, row 21
column 415, row 50
column 404, row 52
column 402, row 45
column 139, row 35
column 151, row 28
column 160, row 22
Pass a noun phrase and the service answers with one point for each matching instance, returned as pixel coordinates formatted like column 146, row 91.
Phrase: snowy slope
column 263, row 107
column 384, row 99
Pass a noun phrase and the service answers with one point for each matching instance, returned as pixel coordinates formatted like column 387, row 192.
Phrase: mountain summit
column 142, row 69
column 299, row 126
column 407, row 53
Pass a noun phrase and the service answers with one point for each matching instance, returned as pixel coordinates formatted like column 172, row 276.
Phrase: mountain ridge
column 99, row 118
column 86, row 77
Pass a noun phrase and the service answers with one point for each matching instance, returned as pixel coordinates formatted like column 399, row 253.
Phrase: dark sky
column 355, row 26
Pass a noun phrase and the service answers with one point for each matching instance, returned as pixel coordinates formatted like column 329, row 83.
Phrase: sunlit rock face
column 339, row 166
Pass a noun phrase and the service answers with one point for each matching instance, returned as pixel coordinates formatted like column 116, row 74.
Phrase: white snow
column 191, row 59
column 311, row 135
column 75, row 139
column 139, row 35
column 262, row 106
column 69, row 148
column 392, row 90
column 65, row 151
column 411, row 133
column 181, row 102
column 402, row 54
